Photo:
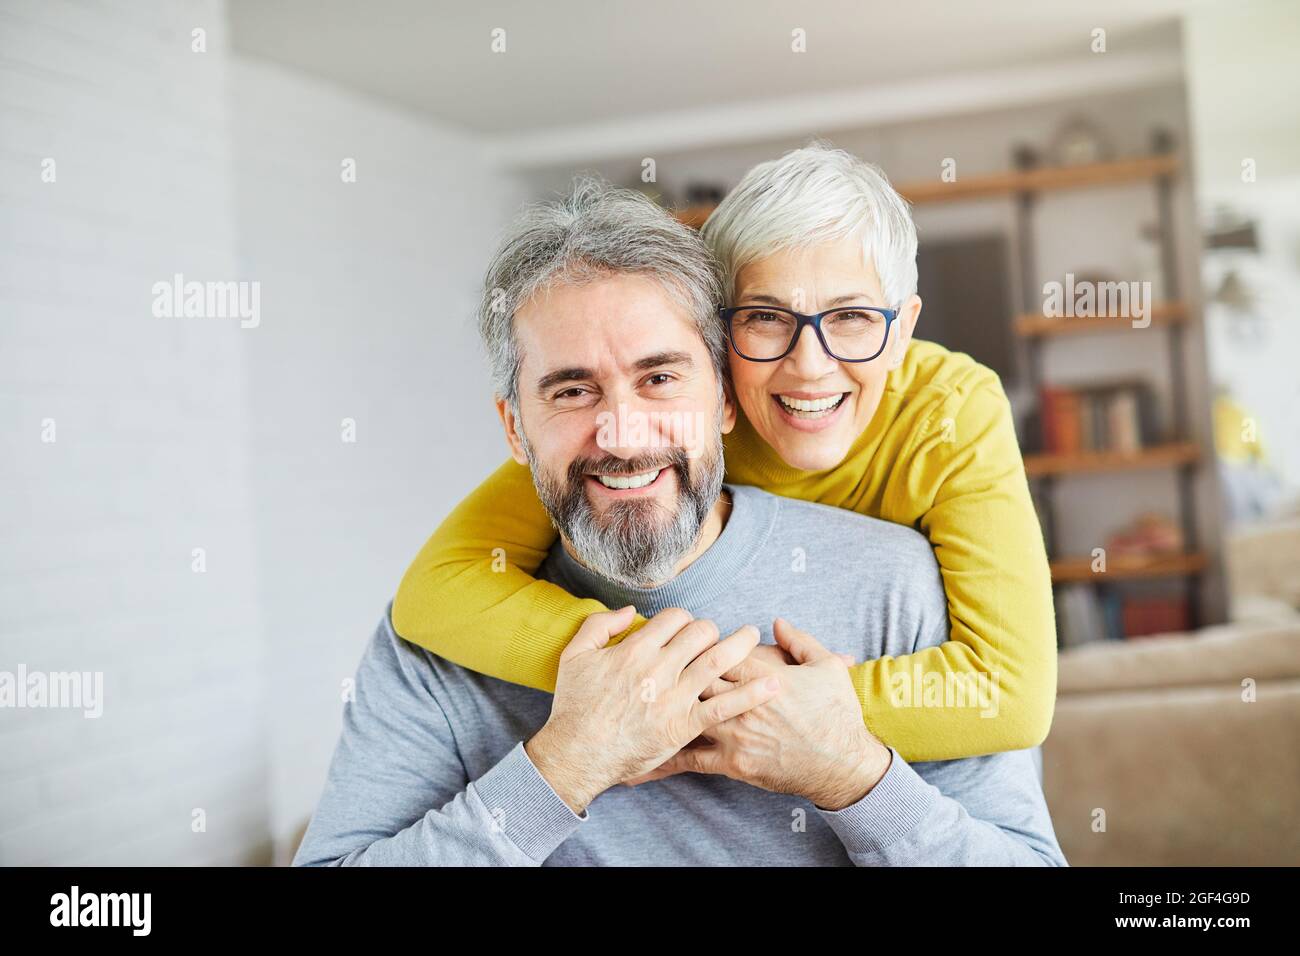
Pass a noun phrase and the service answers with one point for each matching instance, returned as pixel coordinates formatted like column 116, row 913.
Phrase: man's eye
column 659, row 378
column 575, row 392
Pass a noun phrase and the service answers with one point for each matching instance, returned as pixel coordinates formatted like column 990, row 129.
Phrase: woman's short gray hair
column 809, row 196
column 596, row 230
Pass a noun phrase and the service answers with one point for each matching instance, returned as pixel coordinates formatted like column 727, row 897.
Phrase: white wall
column 368, row 294
column 222, row 689
column 1242, row 80
column 151, row 453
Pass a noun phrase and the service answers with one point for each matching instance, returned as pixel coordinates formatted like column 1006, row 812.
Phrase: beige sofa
column 1157, row 755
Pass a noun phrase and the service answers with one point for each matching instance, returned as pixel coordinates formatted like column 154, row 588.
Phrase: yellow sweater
column 940, row 455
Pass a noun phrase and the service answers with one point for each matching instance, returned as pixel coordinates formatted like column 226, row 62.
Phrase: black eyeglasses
column 765, row 333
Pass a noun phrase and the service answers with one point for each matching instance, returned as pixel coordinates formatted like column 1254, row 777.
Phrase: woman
column 849, row 412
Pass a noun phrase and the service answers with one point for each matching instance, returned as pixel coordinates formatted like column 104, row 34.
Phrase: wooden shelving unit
column 1040, row 180
column 1128, row 568
column 1036, row 325
column 1092, row 462
column 1003, row 184
column 1039, row 332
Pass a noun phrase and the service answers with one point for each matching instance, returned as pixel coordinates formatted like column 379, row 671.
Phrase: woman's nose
column 809, row 360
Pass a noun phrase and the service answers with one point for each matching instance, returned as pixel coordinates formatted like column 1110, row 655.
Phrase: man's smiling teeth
column 628, row 481
column 811, row 407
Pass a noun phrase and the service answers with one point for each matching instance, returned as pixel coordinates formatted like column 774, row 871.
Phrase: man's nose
column 809, row 360
column 626, row 427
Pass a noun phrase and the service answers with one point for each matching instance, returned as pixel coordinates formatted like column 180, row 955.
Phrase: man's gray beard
column 636, row 542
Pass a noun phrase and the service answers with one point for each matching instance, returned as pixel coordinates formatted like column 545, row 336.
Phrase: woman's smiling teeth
column 623, row 482
column 811, row 407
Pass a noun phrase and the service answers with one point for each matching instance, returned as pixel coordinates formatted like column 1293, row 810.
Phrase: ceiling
column 571, row 62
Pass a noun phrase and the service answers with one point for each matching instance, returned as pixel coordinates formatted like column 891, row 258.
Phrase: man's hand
column 810, row 741
column 621, row 711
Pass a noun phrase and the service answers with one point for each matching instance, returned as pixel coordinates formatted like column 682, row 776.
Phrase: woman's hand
column 809, row 741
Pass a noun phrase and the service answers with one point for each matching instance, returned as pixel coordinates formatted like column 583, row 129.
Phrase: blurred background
column 211, row 512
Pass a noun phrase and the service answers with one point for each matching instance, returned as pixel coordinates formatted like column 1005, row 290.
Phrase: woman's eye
column 856, row 317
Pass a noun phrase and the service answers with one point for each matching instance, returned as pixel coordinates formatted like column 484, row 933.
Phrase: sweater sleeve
column 471, row 597
column 963, row 484
column 981, row 811
column 397, row 792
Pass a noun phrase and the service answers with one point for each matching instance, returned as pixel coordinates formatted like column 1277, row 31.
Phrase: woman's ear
column 511, row 424
column 904, row 326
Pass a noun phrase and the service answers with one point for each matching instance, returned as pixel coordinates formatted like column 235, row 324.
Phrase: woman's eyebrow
column 763, row 298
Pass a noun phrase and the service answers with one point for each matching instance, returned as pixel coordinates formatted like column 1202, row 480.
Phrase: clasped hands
column 673, row 697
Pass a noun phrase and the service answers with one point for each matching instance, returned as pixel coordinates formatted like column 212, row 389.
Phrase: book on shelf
column 1155, row 615
column 1118, row 416
column 1085, row 614
column 1080, row 617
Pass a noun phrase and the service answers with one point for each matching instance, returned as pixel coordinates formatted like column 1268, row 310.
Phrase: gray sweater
column 431, row 770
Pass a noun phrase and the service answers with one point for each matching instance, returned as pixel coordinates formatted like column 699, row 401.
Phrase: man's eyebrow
column 562, row 375
column 578, row 374
column 663, row 358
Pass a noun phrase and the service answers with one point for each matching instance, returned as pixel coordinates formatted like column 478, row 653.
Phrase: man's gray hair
column 810, row 196
column 597, row 230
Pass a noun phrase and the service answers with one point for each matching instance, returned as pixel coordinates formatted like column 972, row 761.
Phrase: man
column 739, row 754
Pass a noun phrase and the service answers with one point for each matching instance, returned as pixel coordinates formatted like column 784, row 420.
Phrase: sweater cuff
column 524, row 807
column 891, row 809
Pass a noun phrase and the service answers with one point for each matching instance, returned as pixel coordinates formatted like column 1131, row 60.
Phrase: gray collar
column 753, row 514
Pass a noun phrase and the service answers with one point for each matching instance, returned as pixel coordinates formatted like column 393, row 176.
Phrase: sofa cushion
column 1185, row 776
column 1264, row 561
column 1215, row 656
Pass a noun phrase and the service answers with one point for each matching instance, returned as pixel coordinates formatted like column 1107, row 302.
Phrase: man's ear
column 900, row 337
column 512, row 427
column 728, row 405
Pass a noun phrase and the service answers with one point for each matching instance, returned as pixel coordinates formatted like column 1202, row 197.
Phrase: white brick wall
column 222, row 688
column 150, row 456
column 368, row 294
